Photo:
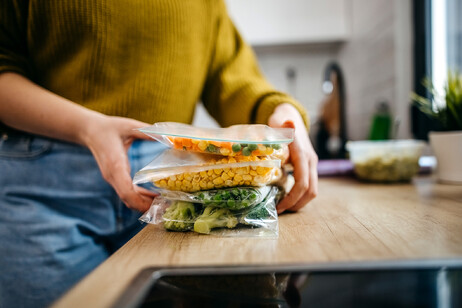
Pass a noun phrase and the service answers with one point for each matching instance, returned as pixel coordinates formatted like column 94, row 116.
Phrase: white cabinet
column 279, row 22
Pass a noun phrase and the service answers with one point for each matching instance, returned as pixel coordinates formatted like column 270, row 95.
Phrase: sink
column 418, row 283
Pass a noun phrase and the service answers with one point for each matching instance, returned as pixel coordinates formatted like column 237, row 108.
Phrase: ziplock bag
column 189, row 172
column 260, row 220
column 237, row 140
column 236, row 198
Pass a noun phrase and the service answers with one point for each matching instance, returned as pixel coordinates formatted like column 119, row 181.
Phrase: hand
column 302, row 156
column 109, row 139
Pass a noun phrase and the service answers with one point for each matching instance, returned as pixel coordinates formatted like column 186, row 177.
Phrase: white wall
column 376, row 60
column 377, row 63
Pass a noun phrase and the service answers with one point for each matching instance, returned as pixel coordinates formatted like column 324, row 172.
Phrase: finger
column 312, row 190
column 120, row 179
column 145, row 192
column 301, row 177
column 132, row 126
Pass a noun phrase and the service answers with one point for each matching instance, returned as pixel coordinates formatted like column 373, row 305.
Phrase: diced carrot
column 227, row 145
column 216, row 143
column 178, row 143
column 187, row 142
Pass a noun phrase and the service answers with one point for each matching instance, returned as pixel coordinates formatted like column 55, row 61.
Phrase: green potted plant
column 446, row 110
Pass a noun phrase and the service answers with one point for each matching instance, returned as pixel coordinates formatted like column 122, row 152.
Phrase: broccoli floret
column 214, row 217
column 264, row 210
column 258, row 213
column 180, row 216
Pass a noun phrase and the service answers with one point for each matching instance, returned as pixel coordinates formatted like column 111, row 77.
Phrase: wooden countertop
column 348, row 221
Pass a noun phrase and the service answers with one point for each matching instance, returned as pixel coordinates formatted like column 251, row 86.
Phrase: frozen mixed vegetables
column 223, row 147
column 236, row 140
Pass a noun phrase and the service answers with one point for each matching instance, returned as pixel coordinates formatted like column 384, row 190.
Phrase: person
column 76, row 80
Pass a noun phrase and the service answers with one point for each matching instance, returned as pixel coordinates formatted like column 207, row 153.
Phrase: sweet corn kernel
column 162, row 183
column 247, row 177
column 218, row 171
column 210, row 172
column 231, row 174
column 224, row 176
column 194, row 141
column 247, row 183
column 202, row 145
column 218, row 181
column 173, row 178
column 224, row 151
column 209, row 185
column 260, row 170
column 203, row 173
column 253, row 173
column 238, row 177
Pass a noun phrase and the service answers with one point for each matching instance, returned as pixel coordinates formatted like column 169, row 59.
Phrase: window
column 437, row 48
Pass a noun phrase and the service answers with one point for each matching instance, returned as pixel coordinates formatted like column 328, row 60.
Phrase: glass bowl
column 385, row 161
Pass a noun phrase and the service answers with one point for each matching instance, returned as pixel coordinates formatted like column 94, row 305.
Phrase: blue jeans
column 59, row 219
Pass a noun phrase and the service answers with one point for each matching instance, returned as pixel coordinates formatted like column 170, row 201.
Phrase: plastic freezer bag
column 260, row 220
column 237, row 140
column 237, row 198
column 190, row 172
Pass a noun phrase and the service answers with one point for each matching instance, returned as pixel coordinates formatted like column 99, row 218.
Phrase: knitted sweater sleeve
column 235, row 90
column 13, row 36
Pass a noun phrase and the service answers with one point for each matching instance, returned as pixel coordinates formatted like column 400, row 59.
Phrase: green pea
column 276, row 146
column 211, row 148
column 243, row 145
column 231, row 203
column 217, row 197
column 236, row 147
column 253, row 147
column 253, row 196
column 245, row 203
column 246, row 151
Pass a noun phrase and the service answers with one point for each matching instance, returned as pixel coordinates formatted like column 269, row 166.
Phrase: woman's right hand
column 109, row 139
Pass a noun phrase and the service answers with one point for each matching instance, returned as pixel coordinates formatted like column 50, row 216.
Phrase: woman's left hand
column 302, row 156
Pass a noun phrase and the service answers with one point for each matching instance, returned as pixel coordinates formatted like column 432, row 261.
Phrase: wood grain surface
column 348, row 221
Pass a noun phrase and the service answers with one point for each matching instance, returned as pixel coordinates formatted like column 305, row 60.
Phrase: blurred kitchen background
column 351, row 61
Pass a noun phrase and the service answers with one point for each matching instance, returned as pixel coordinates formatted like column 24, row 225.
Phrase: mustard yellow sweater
column 150, row 60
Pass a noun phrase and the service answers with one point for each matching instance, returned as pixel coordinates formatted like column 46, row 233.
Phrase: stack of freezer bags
column 213, row 180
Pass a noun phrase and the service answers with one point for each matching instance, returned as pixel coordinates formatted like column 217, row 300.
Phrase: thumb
column 133, row 132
